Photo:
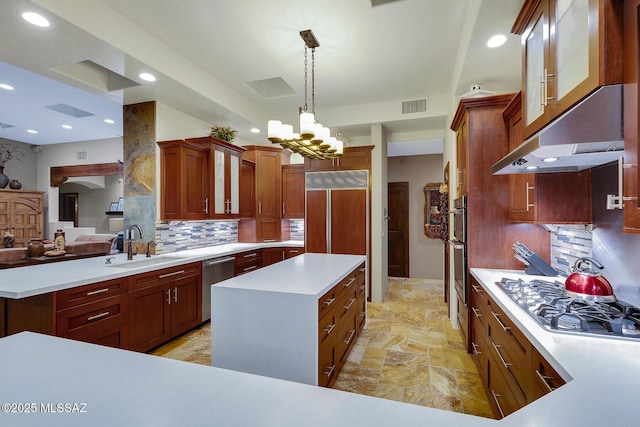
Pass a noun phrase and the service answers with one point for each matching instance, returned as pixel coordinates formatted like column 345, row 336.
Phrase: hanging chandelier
column 314, row 140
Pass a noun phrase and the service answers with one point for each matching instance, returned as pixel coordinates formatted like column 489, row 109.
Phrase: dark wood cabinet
column 293, row 191
column 631, row 179
column 164, row 304
column 547, row 197
column 273, row 255
column 292, row 252
column 247, row 189
column 21, row 214
column 184, row 181
column 354, row 158
column 568, row 50
column 247, row 261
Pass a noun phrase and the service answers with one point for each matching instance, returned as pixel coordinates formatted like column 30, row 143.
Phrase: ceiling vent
column 415, row 106
column 275, row 87
column 69, row 110
column 6, row 126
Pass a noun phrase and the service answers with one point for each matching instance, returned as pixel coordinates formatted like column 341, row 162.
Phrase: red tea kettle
column 588, row 284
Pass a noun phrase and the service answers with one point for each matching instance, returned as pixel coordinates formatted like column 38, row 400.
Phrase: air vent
column 415, row 106
column 69, row 110
column 82, row 155
column 6, row 126
column 271, row 88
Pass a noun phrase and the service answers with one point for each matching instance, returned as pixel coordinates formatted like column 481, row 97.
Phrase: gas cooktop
column 548, row 304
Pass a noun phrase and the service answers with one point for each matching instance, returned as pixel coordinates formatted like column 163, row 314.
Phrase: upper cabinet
column 199, row 179
column 569, row 48
column 224, row 179
column 293, row 191
column 354, row 158
column 631, row 97
column 535, row 198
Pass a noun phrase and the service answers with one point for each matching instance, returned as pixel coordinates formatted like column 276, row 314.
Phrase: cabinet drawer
column 327, row 368
column 361, row 310
column 327, row 328
column 247, row 262
column 479, row 304
column 510, row 348
column 347, row 303
column 502, row 398
column 346, row 336
column 152, row 278
column 291, row 252
column 90, row 293
column 328, row 301
column 479, row 350
column 545, row 378
column 93, row 322
column 348, row 284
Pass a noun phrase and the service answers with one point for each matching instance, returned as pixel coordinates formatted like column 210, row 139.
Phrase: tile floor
column 409, row 352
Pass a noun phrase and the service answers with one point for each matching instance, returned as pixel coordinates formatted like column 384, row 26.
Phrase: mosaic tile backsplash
column 296, row 227
column 568, row 243
column 176, row 236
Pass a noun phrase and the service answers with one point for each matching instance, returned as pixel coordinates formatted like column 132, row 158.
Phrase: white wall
column 23, row 167
column 425, row 254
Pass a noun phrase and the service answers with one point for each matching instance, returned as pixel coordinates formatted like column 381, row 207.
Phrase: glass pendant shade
column 307, row 121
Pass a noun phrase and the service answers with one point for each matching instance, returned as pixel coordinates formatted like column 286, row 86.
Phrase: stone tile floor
column 409, row 352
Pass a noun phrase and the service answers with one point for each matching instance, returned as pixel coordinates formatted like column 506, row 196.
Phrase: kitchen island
column 280, row 321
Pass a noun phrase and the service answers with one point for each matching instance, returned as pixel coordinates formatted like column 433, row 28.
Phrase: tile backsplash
column 296, row 227
column 568, row 243
column 175, row 236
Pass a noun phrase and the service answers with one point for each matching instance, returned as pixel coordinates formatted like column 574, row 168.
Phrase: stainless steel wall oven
column 459, row 247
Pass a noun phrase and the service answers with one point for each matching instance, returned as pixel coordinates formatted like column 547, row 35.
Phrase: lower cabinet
column 273, row 255
column 163, row 304
column 514, row 373
column 247, row 261
column 341, row 317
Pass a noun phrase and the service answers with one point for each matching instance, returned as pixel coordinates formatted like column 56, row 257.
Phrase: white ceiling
column 204, row 53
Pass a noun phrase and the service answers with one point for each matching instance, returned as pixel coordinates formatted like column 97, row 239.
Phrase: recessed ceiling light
column 109, row 121
column 6, row 86
column 67, row 127
column 531, row 167
column 147, row 77
column 255, row 130
column 32, row 131
column 549, row 159
column 35, row 19
column 497, row 40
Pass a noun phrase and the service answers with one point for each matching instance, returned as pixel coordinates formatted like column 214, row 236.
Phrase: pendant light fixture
column 313, row 140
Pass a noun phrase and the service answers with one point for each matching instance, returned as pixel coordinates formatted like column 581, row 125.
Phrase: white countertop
column 307, row 274
column 124, row 388
column 21, row 282
column 601, row 372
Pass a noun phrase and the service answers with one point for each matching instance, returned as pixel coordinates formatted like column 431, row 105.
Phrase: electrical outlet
column 613, row 202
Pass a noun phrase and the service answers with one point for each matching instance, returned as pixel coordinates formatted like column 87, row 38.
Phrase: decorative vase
column 35, row 248
column 4, row 179
column 9, row 240
column 15, row 184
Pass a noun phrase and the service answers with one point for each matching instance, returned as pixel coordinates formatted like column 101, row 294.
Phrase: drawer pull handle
column 477, row 288
column 362, row 287
column 251, row 255
column 330, row 370
column 175, row 294
column 329, row 301
column 495, row 315
column 362, row 270
column 363, row 313
column 495, row 399
column 347, row 307
column 250, row 268
column 475, row 349
column 98, row 316
column 328, row 329
column 162, row 276
column 99, row 291
column 269, row 240
column 504, row 362
column 346, row 285
column 476, row 312
column 291, row 251
column 545, row 381
column 351, row 334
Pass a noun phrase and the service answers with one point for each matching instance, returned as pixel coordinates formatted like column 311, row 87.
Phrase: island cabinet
column 95, row 313
column 569, row 48
column 266, row 226
column 224, row 177
column 548, row 197
column 296, row 320
column 21, row 214
column 513, row 372
column 631, row 93
column 184, row 181
column 293, row 191
column 163, row 304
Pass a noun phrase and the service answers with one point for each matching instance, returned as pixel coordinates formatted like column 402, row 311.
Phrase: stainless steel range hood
column 588, row 135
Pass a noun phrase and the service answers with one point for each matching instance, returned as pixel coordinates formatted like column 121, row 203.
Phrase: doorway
column 398, row 229
column 68, row 207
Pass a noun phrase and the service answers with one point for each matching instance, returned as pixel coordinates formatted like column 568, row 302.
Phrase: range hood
column 588, row 135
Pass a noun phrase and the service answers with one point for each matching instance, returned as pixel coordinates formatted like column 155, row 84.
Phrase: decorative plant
column 225, row 133
column 8, row 152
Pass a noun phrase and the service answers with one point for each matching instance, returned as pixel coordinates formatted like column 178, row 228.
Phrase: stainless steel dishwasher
column 214, row 270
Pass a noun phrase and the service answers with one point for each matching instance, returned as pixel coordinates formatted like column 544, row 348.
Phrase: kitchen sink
column 160, row 259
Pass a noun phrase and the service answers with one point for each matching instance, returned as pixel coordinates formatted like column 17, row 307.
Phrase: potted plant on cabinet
column 224, row 133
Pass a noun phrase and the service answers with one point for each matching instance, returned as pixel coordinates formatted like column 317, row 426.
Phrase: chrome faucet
column 130, row 252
